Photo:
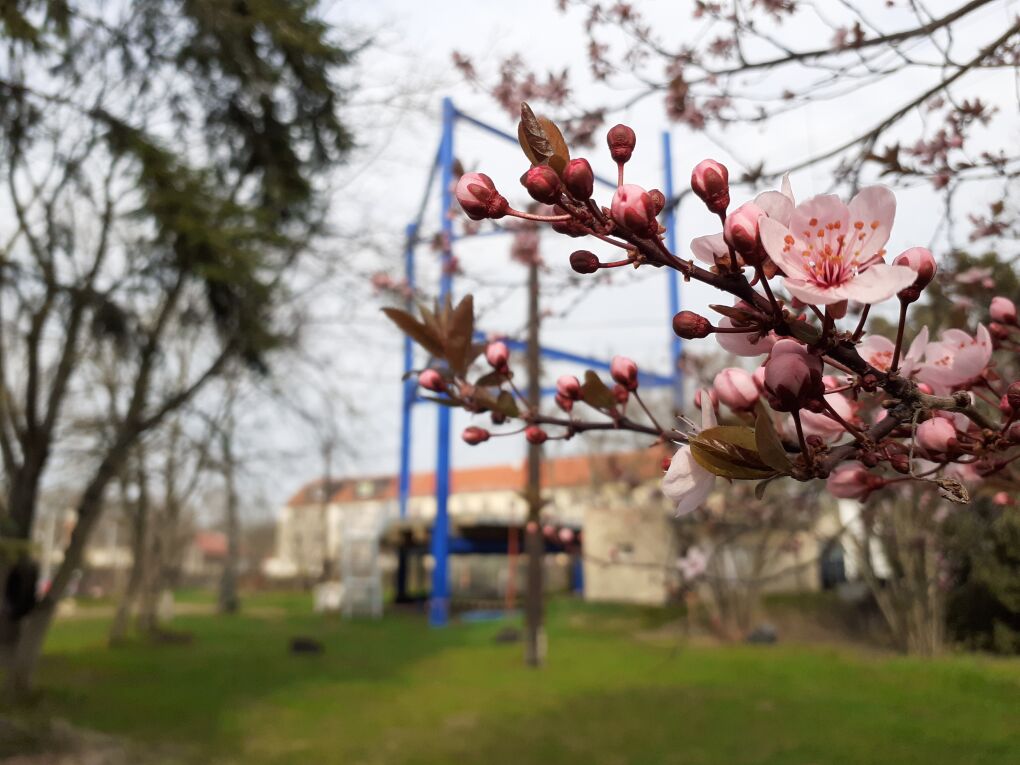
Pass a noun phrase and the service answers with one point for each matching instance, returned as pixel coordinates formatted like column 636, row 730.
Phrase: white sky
column 383, row 188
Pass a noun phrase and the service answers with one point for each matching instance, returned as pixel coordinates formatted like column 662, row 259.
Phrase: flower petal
column 871, row 218
column 774, row 238
column 786, row 189
column 877, row 350
column 878, row 283
column 686, row 482
column 706, row 247
column 777, row 206
column 812, row 294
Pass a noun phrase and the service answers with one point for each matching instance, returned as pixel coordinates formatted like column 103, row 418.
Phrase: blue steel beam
column 648, row 379
column 410, row 384
column 439, row 600
column 673, row 280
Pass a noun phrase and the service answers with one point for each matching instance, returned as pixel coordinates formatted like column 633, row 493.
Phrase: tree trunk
column 139, row 553
column 229, row 602
column 31, row 635
column 33, row 627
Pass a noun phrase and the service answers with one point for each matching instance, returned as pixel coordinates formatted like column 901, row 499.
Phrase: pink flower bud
column 1004, row 406
column 711, row 182
column 564, row 403
column 579, row 179
column 793, row 377
column 543, row 184
column 624, row 371
column 498, row 355
column 570, row 227
column 658, row 200
column 998, row 331
column 478, row 197
column 736, row 388
column 633, row 209
column 851, row 481
column 568, row 386
column 1013, row 395
column 474, row 435
column 921, row 262
column 1003, row 310
column 759, row 377
column 621, row 394
column 584, row 262
column 1013, row 434
column 741, row 229
column 430, row 379
column 621, row 140
column 936, row 435
column 535, row 435
column 691, row 326
column 925, row 388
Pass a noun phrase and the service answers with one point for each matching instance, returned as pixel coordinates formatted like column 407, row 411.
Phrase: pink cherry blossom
column 686, row 482
column 955, row 359
column 877, row 350
column 831, row 252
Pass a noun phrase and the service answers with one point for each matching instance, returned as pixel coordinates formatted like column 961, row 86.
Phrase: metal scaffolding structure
column 443, row 169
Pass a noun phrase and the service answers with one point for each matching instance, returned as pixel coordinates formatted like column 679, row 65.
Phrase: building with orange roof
column 311, row 527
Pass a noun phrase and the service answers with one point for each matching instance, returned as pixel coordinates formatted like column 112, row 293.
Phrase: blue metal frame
column 441, row 544
column 673, row 284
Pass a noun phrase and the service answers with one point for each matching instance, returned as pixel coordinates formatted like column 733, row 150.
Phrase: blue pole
column 647, row 379
column 409, row 383
column 439, row 602
column 676, row 349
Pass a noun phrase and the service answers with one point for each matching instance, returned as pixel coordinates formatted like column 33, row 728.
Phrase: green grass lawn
column 397, row 692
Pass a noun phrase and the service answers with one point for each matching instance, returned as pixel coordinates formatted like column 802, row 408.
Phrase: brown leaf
column 416, row 331
column 506, row 404
column 431, row 321
column 729, row 451
column 459, row 331
column 767, row 441
column 560, row 153
column 595, row 393
column 742, row 316
column 759, row 488
column 491, row 380
column 531, row 135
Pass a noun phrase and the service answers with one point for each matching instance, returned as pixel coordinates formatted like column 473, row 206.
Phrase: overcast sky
column 402, row 79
